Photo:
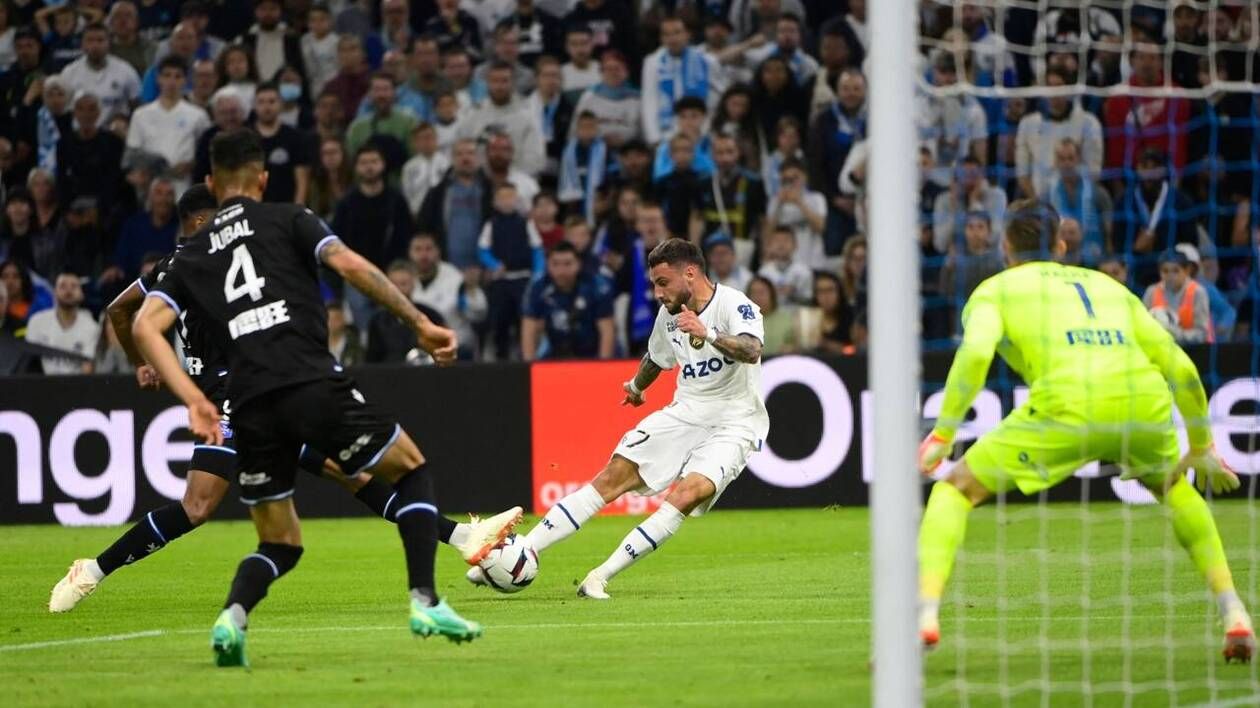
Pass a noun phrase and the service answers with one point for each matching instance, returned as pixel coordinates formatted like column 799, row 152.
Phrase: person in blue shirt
column 511, row 252
column 573, row 311
column 690, row 114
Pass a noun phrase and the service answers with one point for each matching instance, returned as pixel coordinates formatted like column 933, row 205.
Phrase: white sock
column 460, row 534
column 1229, row 603
column 94, row 569
column 645, row 538
column 565, row 517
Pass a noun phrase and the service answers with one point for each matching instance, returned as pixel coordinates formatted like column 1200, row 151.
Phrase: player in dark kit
column 252, row 272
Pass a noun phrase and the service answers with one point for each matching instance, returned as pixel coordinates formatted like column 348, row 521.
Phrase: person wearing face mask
column 295, row 108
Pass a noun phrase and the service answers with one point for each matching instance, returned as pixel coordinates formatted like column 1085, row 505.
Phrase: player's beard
column 675, row 306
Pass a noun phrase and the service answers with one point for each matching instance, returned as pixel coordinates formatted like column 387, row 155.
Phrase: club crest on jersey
column 695, row 342
column 746, row 312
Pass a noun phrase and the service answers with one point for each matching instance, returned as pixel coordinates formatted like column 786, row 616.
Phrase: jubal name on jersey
column 221, row 239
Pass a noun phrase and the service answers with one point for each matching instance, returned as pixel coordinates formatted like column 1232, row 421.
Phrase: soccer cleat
column 929, row 628
column 593, row 587
column 476, row 576
column 70, row 590
column 441, row 620
column 228, row 642
column 484, row 535
column 1240, row 639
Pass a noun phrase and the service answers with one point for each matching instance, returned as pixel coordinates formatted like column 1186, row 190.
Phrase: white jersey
column 713, row 385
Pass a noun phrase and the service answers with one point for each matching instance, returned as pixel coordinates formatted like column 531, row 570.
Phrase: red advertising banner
column 578, row 419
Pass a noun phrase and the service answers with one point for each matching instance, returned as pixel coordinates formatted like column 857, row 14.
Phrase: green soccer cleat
column 442, row 620
column 228, row 642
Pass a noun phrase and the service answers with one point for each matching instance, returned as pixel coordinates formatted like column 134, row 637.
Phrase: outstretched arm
column 644, row 377
column 121, row 311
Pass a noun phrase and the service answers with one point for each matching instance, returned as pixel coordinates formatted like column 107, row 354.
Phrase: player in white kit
column 713, row 336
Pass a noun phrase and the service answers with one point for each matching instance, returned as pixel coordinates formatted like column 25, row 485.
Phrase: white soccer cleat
column 484, row 535
column 476, row 576
column 929, row 628
column 593, row 588
column 70, row 590
column 1240, row 638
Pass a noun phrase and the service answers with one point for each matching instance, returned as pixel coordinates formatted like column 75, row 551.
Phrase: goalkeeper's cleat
column 593, row 587
column 929, row 628
column 1240, row 638
column 228, row 641
column 441, row 620
column 78, row 583
column 476, row 576
column 484, row 535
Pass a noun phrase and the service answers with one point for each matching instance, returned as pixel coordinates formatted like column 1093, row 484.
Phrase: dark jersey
column 253, row 273
column 205, row 351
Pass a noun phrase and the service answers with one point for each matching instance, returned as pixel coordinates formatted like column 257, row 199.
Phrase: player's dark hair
column 172, row 62
column 265, row 86
column 1032, row 229
column 196, row 198
column 676, row 252
column 231, row 150
column 563, row 247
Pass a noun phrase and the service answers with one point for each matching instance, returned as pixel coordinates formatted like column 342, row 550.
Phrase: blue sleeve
column 148, row 86
column 487, row 259
column 540, row 262
column 664, row 163
column 533, row 307
column 603, row 302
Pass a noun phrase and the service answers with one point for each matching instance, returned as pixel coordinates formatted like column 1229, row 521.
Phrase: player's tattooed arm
column 369, row 280
column 648, row 371
column 740, row 347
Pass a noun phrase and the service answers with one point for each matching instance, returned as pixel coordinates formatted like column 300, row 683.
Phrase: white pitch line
column 83, row 640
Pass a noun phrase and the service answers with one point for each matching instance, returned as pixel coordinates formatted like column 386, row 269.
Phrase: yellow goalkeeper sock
column 943, row 528
column 1196, row 532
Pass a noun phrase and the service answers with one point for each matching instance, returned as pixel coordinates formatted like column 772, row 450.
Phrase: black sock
column 378, row 496
column 417, row 525
column 311, row 461
column 258, row 571
column 445, row 527
column 153, row 531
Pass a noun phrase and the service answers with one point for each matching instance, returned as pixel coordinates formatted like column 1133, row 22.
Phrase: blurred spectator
column 390, row 341
column 114, row 82
column 456, row 295
column 689, row 123
column 1074, row 26
column 183, row 44
column 966, row 267
column 501, row 168
column 837, row 315
column 578, row 233
column 350, row 84
column 507, row 49
column 229, row 113
column 554, row 112
column 502, row 111
column 330, row 179
column 853, row 25
column 735, row 117
column 425, row 169
column 319, row 48
column 419, row 77
column 1154, row 215
column 545, row 218
column 453, row 27
column 42, row 186
column 614, row 239
column 395, row 31
column 779, row 264
column 125, row 40
column 51, row 121
column 970, row 192
column 82, row 243
column 750, row 17
column 110, row 357
column 679, row 190
column 1189, row 40
column 458, row 206
column 582, row 71
column 780, row 325
column 169, row 127
column 724, row 267
column 955, row 124
column 457, row 70
column 20, row 235
column 835, row 56
column 1136, row 124
column 59, row 25
column 733, row 203
column 23, row 297
column 387, row 129
column 538, row 32
column 510, row 249
column 803, row 211
column 1223, row 314
column 270, row 42
column 7, row 31
column 612, row 24
column 1178, row 302
column 567, row 314
column 196, row 14
column 583, row 168
column 787, row 144
column 446, row 121
column 776, row 95
column 205, row 81
column 343, row 338
column 153, row 229
column 20, row 87
column 237, row 69
column 840, row 126
column 1073, row 192
column 67, row 327
column 634, row 167
column 288, row 167
column 787, row 46
column 671, row 73
column 328, row 118
column 1041, row 132
column 1116, row 266
column 372, row 219
column 295, row 108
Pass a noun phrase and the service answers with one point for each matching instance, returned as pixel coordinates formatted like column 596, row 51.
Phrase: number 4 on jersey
column 242, row 267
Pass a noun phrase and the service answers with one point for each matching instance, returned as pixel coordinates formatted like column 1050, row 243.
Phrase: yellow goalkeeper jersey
column 1078, row 338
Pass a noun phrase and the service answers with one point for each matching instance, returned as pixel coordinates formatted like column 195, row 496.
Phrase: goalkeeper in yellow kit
column 1103, row 377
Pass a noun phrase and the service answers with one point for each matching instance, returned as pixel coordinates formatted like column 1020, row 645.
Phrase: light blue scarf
column 48, row 135
column 1083, row 209
column 571, row 187
column 687, row 75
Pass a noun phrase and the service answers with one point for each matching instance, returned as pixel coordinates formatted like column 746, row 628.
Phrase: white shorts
column 665, row 447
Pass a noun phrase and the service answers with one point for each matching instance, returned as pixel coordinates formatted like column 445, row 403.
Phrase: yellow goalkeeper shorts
column 1033, row 451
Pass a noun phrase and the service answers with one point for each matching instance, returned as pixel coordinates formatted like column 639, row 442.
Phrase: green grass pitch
column 741, row 608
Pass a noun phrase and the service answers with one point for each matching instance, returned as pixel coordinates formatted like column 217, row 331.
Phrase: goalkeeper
column 1103, row 376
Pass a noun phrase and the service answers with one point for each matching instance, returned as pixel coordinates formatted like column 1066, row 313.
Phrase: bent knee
column 200, row 505
column 694, row 490
column 619, row 476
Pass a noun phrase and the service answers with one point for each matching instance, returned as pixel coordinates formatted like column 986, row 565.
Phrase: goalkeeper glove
column 1210, row 470
column 932, row 451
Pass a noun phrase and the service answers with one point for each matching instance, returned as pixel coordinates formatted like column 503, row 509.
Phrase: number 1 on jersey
column 242, row 267
column 1089, row 306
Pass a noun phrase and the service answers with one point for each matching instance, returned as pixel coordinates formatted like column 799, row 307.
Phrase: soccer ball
column 511, row 567
column 1166, row 318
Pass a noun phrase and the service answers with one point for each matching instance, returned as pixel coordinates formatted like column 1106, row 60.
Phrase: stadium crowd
column 509, row 163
